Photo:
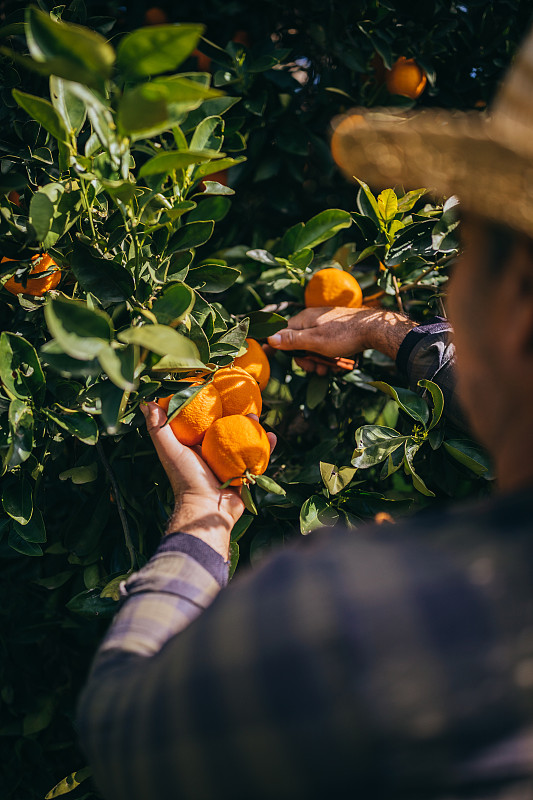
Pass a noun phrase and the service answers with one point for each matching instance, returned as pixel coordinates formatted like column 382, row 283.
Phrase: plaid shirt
column 389, row 663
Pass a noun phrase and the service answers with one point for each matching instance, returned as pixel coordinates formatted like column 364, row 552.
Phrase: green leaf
column 69, row 783
column 411, row 448
column 240, row 527
column 317, row 389
column 164, row 341
column 264, row 323
column 231, row 341
column 68, row 105
column 387, row 205
column 212, row 278
column 336, row 478
column 367, row 203
column 208, row 135
column 233, row 558
column 20, row 369
column 20, row 545
column 166, row 163
column 77, row 423
column 316, row 513
column 374, row 443
column 410, row 402
column 217, row 166
column 184, row 394
column 80, row 331
column 438, row 400
column 151, row 108
column 247, row 499
column 191, row 235
column 20, row 433
column 161, row 48
column 269, row 485
column 90, row 604
column 470, row 455
column 53, row 211
column 32, row 531
column 214, row 208
column 408, row 200
column 44, row 112
column 80, row 475
column 17, row 497
column 119, row 365
column 413, row 240
column 322, row 227
column 106, row 279
column 53, row 356
column 173, row 304
column 68, row 51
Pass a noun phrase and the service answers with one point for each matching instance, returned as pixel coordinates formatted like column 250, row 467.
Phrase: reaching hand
column 342, row 332
column 202, row 508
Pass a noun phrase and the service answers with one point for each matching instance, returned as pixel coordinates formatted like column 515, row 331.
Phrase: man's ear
column 516, row 301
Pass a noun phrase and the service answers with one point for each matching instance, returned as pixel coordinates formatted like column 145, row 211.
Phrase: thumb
column 167, row 446
column 291, row 339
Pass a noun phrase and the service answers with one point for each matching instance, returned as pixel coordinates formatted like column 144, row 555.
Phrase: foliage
column 165, row 273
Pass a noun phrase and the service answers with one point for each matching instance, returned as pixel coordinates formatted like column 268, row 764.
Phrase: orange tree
column 109, row 155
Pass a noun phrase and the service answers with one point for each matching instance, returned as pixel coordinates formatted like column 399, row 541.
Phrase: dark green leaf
column 184, row 394
column 317, row 513
column 208, row 134
column 413, row 240
column 44, row 112
column 214, row 208
column 53, row 211
column 34, row 531
column 317, row 390
column 79, row 330
column 411, row 448
column 80, row 475
column 77, row 423
column 166, row 163
column 173, row 304
column 240, row 527
column 20, row 433
column 20, row 370
column 68, row 105
column 164, row 341
column 374, row 443
column 90, row 604
column 247, row 499
column 269, row 485
column 53, row 356
column 108, row 281
column 322, row 227
column 19, row 544
column 470, row 455
column 410, row 402
column 17, row 497
column 212, row 278
column 161, row 48
column 438, row 400
column 69, row 783
column 264, row 323
column 367, row 203
column 191, row 235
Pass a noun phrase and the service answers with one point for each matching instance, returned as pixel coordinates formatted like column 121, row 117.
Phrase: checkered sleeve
column 428, row 352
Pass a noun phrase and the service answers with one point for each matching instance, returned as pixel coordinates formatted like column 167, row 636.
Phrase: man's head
column 490, row 305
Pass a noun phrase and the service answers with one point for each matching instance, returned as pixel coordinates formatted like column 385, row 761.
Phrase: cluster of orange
column 232, row 442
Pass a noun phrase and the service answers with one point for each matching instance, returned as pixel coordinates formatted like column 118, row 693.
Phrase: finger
column 292, row 339
column 273, row 439
column 167, row 446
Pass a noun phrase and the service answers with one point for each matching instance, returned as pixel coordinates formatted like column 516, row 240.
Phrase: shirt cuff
column 437, row 325
column 194, row 547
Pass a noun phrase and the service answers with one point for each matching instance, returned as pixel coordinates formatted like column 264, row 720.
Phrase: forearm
column 386, row 330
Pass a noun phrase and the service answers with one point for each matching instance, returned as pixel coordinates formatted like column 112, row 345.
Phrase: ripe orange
column 255, row 362
column 235, row 444
column 241, row 37
column 192, row 421
column 203, row 62
column 14, row 197
column 238, row 391
column 36, row 287
column 155, row 16
column 406, row 78
column 333, row 287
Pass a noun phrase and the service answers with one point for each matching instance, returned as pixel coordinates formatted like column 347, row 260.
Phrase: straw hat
column 486, row 159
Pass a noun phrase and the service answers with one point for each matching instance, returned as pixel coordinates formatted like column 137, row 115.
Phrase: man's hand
column 342, row 332
column 202, row 509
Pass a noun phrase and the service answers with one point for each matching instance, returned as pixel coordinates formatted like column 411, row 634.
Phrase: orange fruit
column 241, row 37
column 406, row 78
column 235, row 444
column 14, row 197
column 238, row 391
column 255, row 362
column 333, row 287
column 192, row 421
column 155, row 16
column 36, row 287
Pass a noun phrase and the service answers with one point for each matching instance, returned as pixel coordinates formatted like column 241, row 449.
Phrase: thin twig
column 416, row 281
column 397, row 293
column 118, row 498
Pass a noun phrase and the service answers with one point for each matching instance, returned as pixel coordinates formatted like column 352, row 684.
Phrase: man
column 378, row 664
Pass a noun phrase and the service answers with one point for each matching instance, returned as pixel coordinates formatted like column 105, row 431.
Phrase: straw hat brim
column 463, row 154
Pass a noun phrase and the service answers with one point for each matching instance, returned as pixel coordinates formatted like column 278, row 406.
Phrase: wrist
column 386, row 330
column 210, row 524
